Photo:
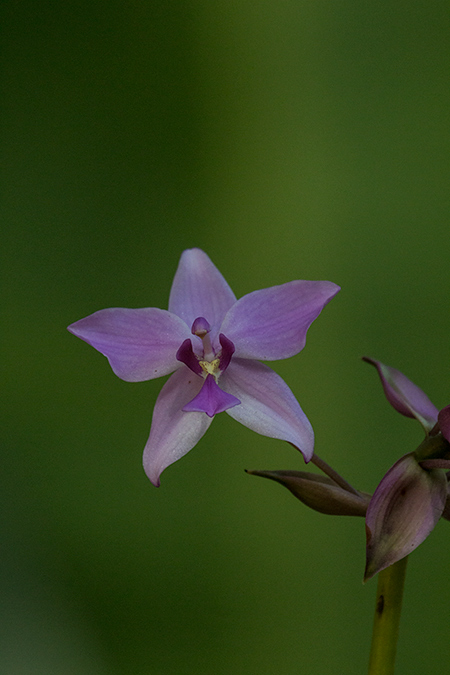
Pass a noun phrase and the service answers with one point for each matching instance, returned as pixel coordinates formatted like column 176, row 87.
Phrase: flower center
column 202, row 329
column 211, row 367
column 211, row 399
column 210, row 363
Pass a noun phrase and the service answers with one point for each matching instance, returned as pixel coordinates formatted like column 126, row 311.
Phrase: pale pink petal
column 268, row 406
column 140, row 344
column 405, row 396
column 200, row 290
column 174, row 432
column 272, row 323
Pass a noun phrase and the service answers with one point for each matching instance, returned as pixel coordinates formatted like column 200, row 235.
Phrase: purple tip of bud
column 319, row 492
column 446, row 511
column 444, row 422
column 405, row 396
column 200, row 327
column 211, row 399
column 228, row 350
column 186, row 355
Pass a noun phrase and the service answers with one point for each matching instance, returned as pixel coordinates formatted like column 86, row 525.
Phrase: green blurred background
column 289, row 140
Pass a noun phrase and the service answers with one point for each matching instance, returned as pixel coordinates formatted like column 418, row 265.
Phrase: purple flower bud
column 402, row 512
column 319, row 492
column 444, row 422
column 405, row 396
column 446, row 511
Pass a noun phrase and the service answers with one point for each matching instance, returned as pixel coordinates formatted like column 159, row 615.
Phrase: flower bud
column 446, row 511
column 444, row 422
column 319, row 492
column 402, row 512
column 405, row 396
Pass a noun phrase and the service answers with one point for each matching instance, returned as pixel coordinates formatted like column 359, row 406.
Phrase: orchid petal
column 174, row 432
column 200, row 290
column 444, row 422
column 211, row 399
column 272, row 323
column 140, row 344
column 402, row 512
column 186, row 355
column 405, row 396
column 227, row 351
column 268, row 406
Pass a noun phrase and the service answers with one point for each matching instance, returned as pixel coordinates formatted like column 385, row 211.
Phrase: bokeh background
column 289, row 140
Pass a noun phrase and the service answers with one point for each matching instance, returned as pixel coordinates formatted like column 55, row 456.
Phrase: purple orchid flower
column 413, row 495
column 207, row 337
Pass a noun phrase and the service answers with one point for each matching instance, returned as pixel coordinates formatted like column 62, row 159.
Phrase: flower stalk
column 331, row 473
column 386, row 620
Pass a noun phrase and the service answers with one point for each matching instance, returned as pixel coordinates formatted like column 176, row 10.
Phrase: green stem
column 387, row 618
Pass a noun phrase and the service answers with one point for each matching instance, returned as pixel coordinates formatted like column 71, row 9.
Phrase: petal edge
column 140, row 344
column 174, row 432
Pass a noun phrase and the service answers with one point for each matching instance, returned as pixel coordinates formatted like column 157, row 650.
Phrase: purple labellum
column 211, row 399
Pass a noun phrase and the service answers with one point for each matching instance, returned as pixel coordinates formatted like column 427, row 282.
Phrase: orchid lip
column 211, row 399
